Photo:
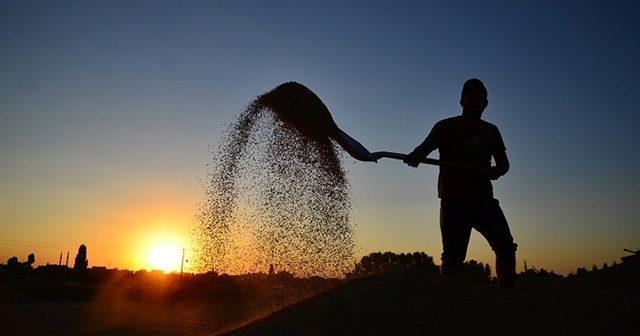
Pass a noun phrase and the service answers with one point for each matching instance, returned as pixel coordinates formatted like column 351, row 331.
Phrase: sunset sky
column 108, row 109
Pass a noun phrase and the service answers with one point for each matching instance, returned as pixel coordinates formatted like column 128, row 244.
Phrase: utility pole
column 181, row 265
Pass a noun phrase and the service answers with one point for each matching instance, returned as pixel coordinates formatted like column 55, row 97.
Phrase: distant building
column 52, row 272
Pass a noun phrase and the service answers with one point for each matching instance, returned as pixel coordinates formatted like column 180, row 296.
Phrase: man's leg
column 506, row 271
column 492, row 224
column 455, row 228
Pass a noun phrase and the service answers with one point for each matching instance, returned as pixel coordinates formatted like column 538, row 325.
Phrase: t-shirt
column 473, row 145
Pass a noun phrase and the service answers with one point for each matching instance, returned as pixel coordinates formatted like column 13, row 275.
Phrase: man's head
column 474, row 98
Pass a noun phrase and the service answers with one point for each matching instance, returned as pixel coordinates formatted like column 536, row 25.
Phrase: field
column 398, row 302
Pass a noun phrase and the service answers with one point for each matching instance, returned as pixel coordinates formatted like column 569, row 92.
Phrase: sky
column 108, row 110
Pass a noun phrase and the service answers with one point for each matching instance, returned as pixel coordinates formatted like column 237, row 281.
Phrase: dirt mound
column 623, row 279
column 419, row 302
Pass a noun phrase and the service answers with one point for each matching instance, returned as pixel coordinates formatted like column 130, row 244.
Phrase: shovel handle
column 400, row 156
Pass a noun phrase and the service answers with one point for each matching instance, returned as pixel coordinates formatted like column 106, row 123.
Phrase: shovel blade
column 353, row 147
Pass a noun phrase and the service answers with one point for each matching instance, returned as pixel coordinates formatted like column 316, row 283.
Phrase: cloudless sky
column 108, row 109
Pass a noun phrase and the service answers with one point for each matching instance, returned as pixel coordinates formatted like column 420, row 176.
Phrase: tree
column 378, row 262
column 476, row 271
column 31, row 259
column 13, row 261
column 81, row 262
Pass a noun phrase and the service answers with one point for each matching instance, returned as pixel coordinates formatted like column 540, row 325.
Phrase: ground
column 399, row 302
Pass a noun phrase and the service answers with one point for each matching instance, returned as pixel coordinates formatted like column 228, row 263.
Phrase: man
column 466, row 195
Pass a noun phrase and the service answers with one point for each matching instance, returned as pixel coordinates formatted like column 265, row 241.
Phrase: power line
column 32, row 244
column 29, row 243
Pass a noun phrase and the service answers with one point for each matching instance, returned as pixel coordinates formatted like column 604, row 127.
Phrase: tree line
column 378, row 262
column 372, row 263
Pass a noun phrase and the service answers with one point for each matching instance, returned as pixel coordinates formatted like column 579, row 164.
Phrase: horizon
column 175, row 268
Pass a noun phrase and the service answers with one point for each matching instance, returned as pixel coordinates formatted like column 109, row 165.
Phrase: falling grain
column 277, row 192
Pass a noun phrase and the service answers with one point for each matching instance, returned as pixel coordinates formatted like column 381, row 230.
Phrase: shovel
column 297, row 106
column 358, row 151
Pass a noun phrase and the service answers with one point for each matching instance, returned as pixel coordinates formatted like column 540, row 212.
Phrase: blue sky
column 107, row 110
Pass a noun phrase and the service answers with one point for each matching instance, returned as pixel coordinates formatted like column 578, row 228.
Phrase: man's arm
column 414, row 158
column 501, row 167
column 428, row 145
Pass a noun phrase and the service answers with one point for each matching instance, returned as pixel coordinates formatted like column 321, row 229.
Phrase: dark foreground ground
column 400, row 302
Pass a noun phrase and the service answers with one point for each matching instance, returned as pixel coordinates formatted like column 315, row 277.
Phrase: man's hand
column 501, row 167
column 412, row 159
column 495, row 172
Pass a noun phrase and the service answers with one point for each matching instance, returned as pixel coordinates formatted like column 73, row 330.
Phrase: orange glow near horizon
column 166, row 257
column 161, row 246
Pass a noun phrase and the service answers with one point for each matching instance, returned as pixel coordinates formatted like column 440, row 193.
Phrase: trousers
column 458, row 218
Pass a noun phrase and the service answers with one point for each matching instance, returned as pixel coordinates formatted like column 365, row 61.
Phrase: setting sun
column 165, row 257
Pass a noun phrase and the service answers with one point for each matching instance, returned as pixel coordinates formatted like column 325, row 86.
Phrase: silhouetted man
column 466, row 196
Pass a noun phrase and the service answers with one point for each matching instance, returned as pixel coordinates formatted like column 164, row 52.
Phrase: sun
column 165, row 257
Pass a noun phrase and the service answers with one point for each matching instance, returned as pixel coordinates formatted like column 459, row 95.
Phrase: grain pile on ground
column 419, row 302
column 277, row 192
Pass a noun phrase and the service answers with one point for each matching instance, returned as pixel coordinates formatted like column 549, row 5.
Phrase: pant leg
column 455, row 227
column 492, row 224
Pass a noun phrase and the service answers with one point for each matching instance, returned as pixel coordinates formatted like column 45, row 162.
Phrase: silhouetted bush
column 13, row 261
column 476, row 271
column 378, row 262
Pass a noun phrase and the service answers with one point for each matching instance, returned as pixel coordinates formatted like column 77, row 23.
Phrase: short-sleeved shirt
column 473, row 145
